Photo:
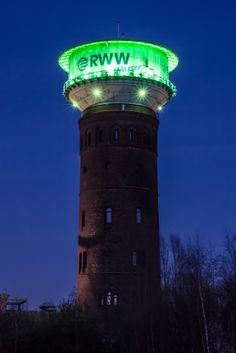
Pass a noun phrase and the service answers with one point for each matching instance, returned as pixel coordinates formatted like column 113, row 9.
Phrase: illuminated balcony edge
column 79, row 80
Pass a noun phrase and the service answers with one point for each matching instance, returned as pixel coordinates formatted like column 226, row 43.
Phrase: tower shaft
column 118, row 223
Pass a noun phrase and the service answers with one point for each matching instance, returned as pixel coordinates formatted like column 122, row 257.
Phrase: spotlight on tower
column 97, row 92
column 74, row 104
column 142, row 92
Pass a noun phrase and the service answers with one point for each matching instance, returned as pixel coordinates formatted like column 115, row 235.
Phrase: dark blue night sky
column 39, row 140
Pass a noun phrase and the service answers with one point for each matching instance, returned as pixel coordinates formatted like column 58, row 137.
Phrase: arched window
column 116, row 134
column 80, row 262
column 138, row 166
column 83, row 219
column 115, row 299
column 84, row 169
column 84, row 260
column 108, row 215
column 131, row 134
column 134, row 258
column 108, row 298
column 138, row 215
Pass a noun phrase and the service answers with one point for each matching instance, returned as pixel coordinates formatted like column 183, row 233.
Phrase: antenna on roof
column 118, row 30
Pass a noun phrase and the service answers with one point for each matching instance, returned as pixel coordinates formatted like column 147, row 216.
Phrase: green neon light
column 118, row 59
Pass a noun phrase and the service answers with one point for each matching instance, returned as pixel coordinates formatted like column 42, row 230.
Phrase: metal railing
column 99, row 75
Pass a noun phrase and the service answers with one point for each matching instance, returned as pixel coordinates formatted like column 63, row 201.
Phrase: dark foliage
column 198, row 298
column 64, row 331
column 197, row 313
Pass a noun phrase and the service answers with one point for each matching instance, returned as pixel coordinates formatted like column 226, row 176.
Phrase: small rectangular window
column 108, row 215
column 116, row 135
column 108, row 298
column 115, row 299
column 80, row 262
column 131, row 134
column 138, row 215
column 83, row 219
column 84, row 260
column 134, row 259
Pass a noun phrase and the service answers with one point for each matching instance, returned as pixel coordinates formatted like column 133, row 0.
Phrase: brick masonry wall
column 118, row 173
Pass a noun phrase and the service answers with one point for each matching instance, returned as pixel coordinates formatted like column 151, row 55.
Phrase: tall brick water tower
column 118, row 85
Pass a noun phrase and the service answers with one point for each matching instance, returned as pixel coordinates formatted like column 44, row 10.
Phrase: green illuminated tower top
column 118, row 71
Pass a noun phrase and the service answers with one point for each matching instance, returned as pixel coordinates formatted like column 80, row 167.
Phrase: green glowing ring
column 66, row 55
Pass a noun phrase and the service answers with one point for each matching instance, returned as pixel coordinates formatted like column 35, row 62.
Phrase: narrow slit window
column 84, row 260
column 115, row 299
column 131, row 134
column 108, row 298
column 116, row 135
column 83, row 219
column 138, row 215
column 134, row 259
column 108, row 215
column 80, row 262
